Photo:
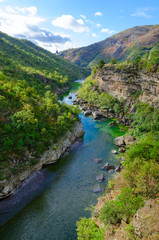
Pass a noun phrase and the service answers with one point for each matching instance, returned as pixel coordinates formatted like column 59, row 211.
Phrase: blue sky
column 62, row 24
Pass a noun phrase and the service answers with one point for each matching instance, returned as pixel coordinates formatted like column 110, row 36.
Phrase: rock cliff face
column 7, row 187
column 128, row 82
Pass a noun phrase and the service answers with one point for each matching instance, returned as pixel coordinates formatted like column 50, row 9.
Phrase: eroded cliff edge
column 7, row 187
column 128, row 81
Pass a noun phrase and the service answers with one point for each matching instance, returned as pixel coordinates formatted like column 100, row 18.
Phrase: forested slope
column 31, row 118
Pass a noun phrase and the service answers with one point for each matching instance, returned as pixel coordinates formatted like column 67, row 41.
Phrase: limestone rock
column 86, row 113
column 98, row 115
column 97, row 189
column 108, row 167
column 119, row 141
column 122, row 149
column 129, row 140
column 114, row 151
column 118, row 169
column 96, row 160
column 100, row 178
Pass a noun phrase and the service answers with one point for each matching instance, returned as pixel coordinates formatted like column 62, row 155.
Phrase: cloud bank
column 23, row 23
column 69, row 22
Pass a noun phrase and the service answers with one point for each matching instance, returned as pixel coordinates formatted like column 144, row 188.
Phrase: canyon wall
column 129, row 81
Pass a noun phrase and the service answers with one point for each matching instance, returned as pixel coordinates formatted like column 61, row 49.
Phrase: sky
column 63, row 24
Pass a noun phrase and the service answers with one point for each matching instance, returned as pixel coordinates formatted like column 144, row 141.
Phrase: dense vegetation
column 140, row 176
column 24, row 60
column 31, row 118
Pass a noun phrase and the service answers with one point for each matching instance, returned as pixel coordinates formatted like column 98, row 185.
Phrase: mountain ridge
column 123, row 45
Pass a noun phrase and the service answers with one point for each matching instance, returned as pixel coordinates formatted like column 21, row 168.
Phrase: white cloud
column 23, row 23
column 16, row 20
column 83, row 16
column 142, row 12
column 106, row 30
column 94, row 34
column 69, row 22
column 1, row 1
column 98, row 14
column 98, row 25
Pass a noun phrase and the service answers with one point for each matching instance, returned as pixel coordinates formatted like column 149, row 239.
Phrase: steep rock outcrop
column 126, row 82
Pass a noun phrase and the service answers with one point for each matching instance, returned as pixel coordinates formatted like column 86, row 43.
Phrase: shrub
column 101, row 63
column 113, row 61
column 87, row 229
column 122, row 208
column 140, row 150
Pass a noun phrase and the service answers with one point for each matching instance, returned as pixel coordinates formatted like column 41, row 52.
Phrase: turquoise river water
column 48, row 204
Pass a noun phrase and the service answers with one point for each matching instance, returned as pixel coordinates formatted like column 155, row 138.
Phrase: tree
column 101, row 63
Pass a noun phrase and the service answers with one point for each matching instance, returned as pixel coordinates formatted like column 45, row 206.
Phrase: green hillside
column 31, row 118
column 39, row 67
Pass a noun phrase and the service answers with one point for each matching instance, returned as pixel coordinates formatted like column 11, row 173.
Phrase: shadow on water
column 48, row 204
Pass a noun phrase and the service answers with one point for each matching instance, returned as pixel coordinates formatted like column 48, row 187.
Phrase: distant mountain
column 37, row 65
column 127, row 44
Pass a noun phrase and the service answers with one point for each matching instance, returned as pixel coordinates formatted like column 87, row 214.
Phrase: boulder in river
column 98, row 115
column 111, row 171
column 108, row 167
column 69, row 97
column 114, row 151
column 118, row 169
column 97, row 160
column 119, row 141
column 100, row 178
column 86, row 113
column 122, row 149
column 97, row 188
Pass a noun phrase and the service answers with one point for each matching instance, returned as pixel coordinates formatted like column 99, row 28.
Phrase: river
column 48, row 204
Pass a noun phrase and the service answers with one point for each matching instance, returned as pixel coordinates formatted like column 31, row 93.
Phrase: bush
column 140, row 150
column 113, row 61
column 122, row 208
column 101, row 63
column 88, row 230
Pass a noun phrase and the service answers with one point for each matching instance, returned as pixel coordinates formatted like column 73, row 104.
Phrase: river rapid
column 48, row 204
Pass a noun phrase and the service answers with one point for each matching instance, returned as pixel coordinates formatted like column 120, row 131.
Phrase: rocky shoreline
column 7, row 187
column 91, row 110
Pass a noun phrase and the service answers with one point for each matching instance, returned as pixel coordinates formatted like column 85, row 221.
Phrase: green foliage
column 141, row 166
column 140, row 150
column 31, row 118
column 113, row 61
column 88, row 230
column 106, row 100
column 94, row 70
column 145, row 120
column 110, row 185
column 122, row 208
column 101, row 63
column 89, row 93
column 131, row 232
column 21, row 59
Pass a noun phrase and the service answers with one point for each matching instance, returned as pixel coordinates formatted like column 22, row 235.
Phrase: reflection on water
column 62, row 191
